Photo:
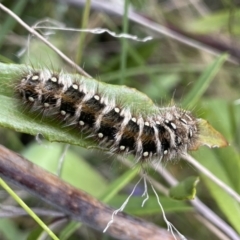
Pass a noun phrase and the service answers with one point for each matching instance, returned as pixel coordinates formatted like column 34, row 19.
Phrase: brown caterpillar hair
column 165, row 134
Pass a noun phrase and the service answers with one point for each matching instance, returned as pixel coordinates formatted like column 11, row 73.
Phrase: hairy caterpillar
column 121, row 119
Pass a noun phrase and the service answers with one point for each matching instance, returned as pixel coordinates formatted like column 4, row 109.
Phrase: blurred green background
column 165, row 69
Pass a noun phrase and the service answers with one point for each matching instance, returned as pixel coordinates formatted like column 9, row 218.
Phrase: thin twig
column 75, row 203
column 211, row 176
column 134, row 16
column 217, row 232
column 35, row 33
column 200, row 207
column 62, row 158
column 12, row 211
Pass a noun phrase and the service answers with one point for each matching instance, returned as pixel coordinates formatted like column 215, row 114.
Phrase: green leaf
column 10, row 230
column 47, row 156
column 14, row 118
column 185, row 190
column 35, row 233
column 151, row 206
column 208, row 136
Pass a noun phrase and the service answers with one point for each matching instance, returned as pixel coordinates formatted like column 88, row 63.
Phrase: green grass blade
column 203, row 82
column 153, row 69
column 10, row 22
column 27, row 209
column 69, row 230
column 118, row 184
column 124, row 42
column 83, row 34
